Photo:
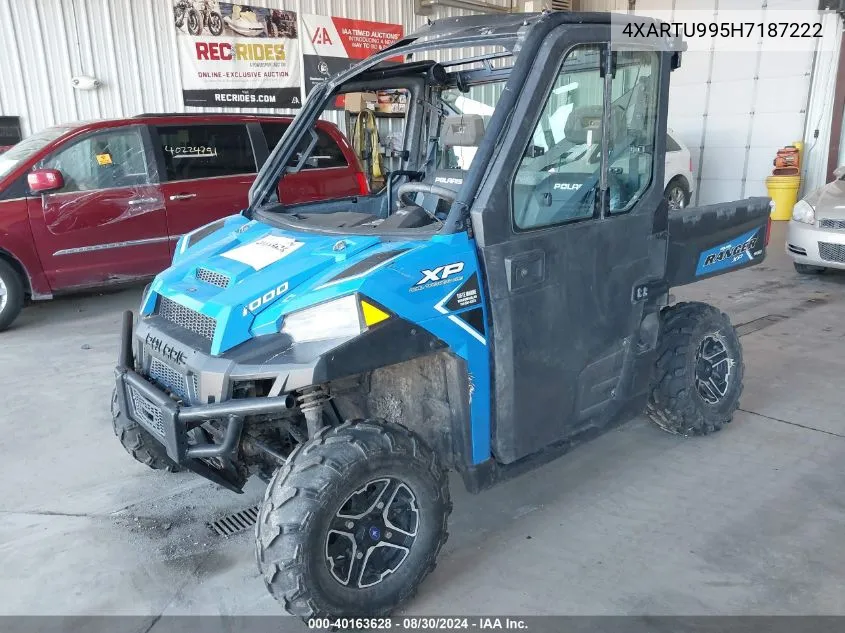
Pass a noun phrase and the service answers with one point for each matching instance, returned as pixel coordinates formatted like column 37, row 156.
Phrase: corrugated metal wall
column 735, row 109
column 130, row 46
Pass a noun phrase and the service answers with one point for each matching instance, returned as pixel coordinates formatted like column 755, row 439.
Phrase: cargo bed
column 715, row 239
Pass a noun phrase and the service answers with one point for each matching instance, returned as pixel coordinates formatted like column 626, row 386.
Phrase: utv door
column 570, row 222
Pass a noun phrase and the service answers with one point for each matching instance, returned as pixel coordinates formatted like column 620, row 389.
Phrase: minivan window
column 29, row 147
column 326, row 152
column 104, row 160
column 205, row 151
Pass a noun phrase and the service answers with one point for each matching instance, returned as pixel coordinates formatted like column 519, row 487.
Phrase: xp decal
column 439, row 276
column 730, row 254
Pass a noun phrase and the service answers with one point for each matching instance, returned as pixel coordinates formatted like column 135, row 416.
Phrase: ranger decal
column 737, row 251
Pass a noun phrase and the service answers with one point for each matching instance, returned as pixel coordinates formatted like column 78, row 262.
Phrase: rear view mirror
column 44, row 180
column 839, row 172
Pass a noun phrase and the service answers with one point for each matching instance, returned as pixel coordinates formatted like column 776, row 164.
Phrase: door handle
column 138, row 201
column 525, row 270
column 183, row 196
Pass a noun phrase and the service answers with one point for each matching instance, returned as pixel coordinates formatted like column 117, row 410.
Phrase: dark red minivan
column 93, row 204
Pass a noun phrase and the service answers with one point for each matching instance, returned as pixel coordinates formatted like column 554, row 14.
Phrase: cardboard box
column 357, row 101
column 392, row 102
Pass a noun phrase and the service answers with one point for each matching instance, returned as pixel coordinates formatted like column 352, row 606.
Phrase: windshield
column 401, row 118
column 387, row 139
column 29, row 147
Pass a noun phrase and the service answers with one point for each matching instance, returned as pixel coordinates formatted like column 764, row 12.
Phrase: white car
column 679, row 178
column 815, row 239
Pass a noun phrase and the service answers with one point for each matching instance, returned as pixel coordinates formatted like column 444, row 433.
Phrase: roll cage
column 521, row 36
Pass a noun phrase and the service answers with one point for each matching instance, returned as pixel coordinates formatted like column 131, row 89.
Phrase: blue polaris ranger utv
column 503, row 297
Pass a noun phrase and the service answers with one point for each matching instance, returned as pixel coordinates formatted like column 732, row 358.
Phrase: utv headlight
column 804, row 212
column 346, row 317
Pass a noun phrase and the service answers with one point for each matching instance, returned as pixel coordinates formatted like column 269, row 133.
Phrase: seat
column 459, row 131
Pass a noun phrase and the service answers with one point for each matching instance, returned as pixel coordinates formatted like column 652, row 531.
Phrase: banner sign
column 236, row 56
column 331, row 44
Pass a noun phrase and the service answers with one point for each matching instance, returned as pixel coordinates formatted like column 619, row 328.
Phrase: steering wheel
column 406, row 189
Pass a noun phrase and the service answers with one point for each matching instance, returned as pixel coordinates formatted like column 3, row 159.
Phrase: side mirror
column 44, row 180
column 839, row 172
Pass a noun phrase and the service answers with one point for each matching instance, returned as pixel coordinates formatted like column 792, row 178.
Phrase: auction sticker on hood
column 264, row 251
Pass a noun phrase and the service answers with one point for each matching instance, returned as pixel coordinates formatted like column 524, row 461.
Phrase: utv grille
column 827, row 223
column 213, row 278
column 832, row 252
column 168, row 377
column 147, row 411
column 186, row 318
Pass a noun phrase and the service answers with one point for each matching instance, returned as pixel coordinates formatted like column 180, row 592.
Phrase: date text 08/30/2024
column 419, row 624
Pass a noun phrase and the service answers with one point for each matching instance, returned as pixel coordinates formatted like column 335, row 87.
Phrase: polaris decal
column 739, row 250
column 264, row 299
column 165, row 350
column 567, row 186
column 439, row 276
column 449, row 181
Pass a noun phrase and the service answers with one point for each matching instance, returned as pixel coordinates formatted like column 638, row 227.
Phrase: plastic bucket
column 783, row 190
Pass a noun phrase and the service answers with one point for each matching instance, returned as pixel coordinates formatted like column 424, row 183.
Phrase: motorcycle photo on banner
column 237, row 55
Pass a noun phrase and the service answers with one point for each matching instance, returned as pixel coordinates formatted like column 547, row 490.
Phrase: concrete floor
column 748, row 521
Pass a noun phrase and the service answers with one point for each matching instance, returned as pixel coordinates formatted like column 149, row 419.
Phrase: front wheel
column 698, row 378
column 11, row 295
column 215, row 24
column 137, row 442
column 194, row 22
column 353, row 522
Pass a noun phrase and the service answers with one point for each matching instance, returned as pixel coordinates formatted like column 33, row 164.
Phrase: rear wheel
column 807, row 269
column 677, row 194
column 137, row 442
column 353, row 522
column 11, row 294
column 698, row 378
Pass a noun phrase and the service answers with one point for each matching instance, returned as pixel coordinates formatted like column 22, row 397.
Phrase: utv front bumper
column 169, row 419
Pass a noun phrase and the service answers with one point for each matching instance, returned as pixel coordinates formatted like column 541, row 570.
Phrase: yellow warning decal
column 104, row 159
column 372, row 314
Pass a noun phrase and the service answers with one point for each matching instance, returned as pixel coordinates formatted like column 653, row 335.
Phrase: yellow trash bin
column 783, row 190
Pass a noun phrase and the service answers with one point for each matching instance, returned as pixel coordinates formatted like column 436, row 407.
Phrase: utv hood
column 247, row 276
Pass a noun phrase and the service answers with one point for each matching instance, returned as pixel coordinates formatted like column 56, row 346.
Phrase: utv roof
column 507, row 25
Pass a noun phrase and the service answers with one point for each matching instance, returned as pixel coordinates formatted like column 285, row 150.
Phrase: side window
column 634, row 114
column 559, row 176
column 273, row 133
column 105, row 160
column 205, row 151
column 327, row 152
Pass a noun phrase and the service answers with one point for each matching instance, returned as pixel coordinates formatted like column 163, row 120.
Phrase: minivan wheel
column 677, row 194
column 11, row 294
